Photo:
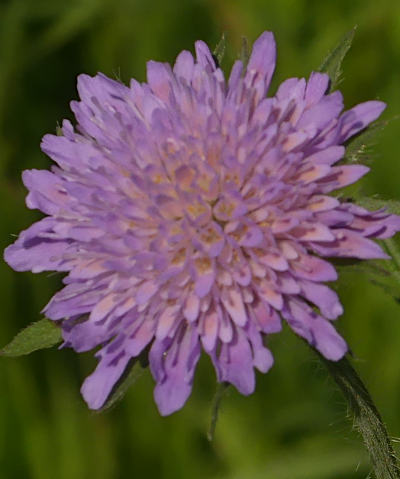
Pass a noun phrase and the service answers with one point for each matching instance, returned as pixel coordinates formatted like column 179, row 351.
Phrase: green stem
column 219, row 394
column 393, row 251
column 367, row 419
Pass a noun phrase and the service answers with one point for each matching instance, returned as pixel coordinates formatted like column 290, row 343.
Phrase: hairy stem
column 219, row 394
column 367, row 419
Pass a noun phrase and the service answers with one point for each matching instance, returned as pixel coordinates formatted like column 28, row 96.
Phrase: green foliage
column 244, row 54
column 333, row 62
column 357, row 151
column 219, row 50
column 40, row 335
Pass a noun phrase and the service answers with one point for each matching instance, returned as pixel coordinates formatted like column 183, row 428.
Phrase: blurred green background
column 294, row 426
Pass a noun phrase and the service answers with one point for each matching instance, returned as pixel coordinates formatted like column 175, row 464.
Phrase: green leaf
column 244, row 55
column 132, row 373
column 219, row 50
column 375, row 203
column 332, row 63
column 357, row 149
column 40, row 335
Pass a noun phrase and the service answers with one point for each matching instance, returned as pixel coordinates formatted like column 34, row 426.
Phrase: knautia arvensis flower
column 192, row 214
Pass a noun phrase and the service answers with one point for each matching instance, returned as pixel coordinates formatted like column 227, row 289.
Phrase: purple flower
column 192, row 213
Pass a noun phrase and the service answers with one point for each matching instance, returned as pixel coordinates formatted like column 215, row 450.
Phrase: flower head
column 192, row 213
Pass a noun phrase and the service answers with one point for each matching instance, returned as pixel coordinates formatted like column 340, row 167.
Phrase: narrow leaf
column 219, row 50
column 40, row 335
column 244, row 55
column 131, row 375
column 332, row 63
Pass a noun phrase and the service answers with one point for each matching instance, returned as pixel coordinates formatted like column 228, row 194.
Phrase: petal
column 180, row 362
column 269, row 294
column 234, row 78
column 323, row 112
column 322, row 203
column 354, row 245
column 166, row 321
column 316, row 87
column 183, row 67
column 252, row 237
column 146, row 291
column 210, row 330
column 359, row 117
column 313, row 268
column 98, row 386
column 204, row 284
column 192, row 307
column 316, row 330
column 73, row 300
column 266, row 317
column 235, row 363
column 341, row 176
column 323, row 297
column 261, row 64
column 204, row 56
column 274, row 260
column 313, row 232
column 329, row 156
column 45, row 191
column 33, row 251
column 233, row 303
column 262, row 357
column 139, row 337
column 159, row 78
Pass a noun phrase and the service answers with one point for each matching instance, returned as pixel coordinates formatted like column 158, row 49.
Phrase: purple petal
column 179, row 363
column 98, row 386
column 184, row 66
column 323, row 112
column 314, row 269
column 266, row 317
column 351, row 244
column 359, row 117
column 329, row 156
column 316, row 87
column 45, row 191
column 323, row 297
column 159, row 78
column 235, row 363
column 209, row 331
column 262, row 357
column 233, row 303
column 261, row 64
column 316, row 330
column 204, row 56
column 35, row 252
column 204, row 284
